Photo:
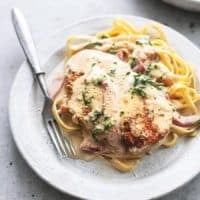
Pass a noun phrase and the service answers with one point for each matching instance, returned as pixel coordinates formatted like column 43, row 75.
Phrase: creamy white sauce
column 116, row 96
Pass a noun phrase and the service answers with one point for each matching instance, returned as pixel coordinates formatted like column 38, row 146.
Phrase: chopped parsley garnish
column 96, row 115
column 103, row 37
column 98, row 81
column 162, row 115
column 112, row 50
column 150, row 43
column 138, row 91
column 99, row 128
column 93, row 64
column 144, row 80
column 100, row 123
column 162, row 76
column 138, row 43
column 115, row 63
column 151, row 67
column 86, row 99
column 133, row 62
column 93, row 44
column 112, row 72
column 128, row 73
column 197, row 123
column 140, row 82
column 108, row 123
column 121, row 113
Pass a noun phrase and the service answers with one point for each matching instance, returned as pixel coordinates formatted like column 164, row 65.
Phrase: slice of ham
column 140, row 67
column 186, row 121
column 89, row 146
column 55, row 86
column 122, row 55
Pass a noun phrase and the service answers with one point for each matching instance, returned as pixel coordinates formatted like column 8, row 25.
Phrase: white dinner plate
column 192, row 5
column 157, row 174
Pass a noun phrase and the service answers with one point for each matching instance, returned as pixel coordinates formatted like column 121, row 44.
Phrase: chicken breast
column 121, row 112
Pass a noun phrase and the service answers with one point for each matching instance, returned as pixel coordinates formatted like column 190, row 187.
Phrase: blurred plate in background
column 192, row 5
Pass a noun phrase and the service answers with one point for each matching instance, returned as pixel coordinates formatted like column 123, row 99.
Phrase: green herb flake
column 138, row 91
column 112, row 50
column 99, row 128
column 162, row 77
column 86, row 99
column 92, row 45
column 150, row 43
column 115, row 63
column 96, row 115
column 138, row 43
column 93, row 64
column 121, row 113
column 102, row 125
column 97, row 81
column 151, row 67
column 197, row 123
column 128, row 73
column 103, row 36
column 140, row 83
column 108, row 123
column 146, row 80
column 133, row 62
column 112, row 72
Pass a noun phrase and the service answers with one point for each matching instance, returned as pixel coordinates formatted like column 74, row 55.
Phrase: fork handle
column 27, row 44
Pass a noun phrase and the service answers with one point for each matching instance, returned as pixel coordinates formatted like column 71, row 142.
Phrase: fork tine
column 67, row 144
column 63, row 146
column 72, row 150
column 54, row 139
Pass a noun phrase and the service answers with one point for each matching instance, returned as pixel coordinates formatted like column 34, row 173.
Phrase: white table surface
column 17, row 180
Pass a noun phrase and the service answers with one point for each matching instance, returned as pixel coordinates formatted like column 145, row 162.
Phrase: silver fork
column 62, row 145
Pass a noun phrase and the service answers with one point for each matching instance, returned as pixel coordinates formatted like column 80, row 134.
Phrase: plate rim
column 190, row 5
column 12, row 90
